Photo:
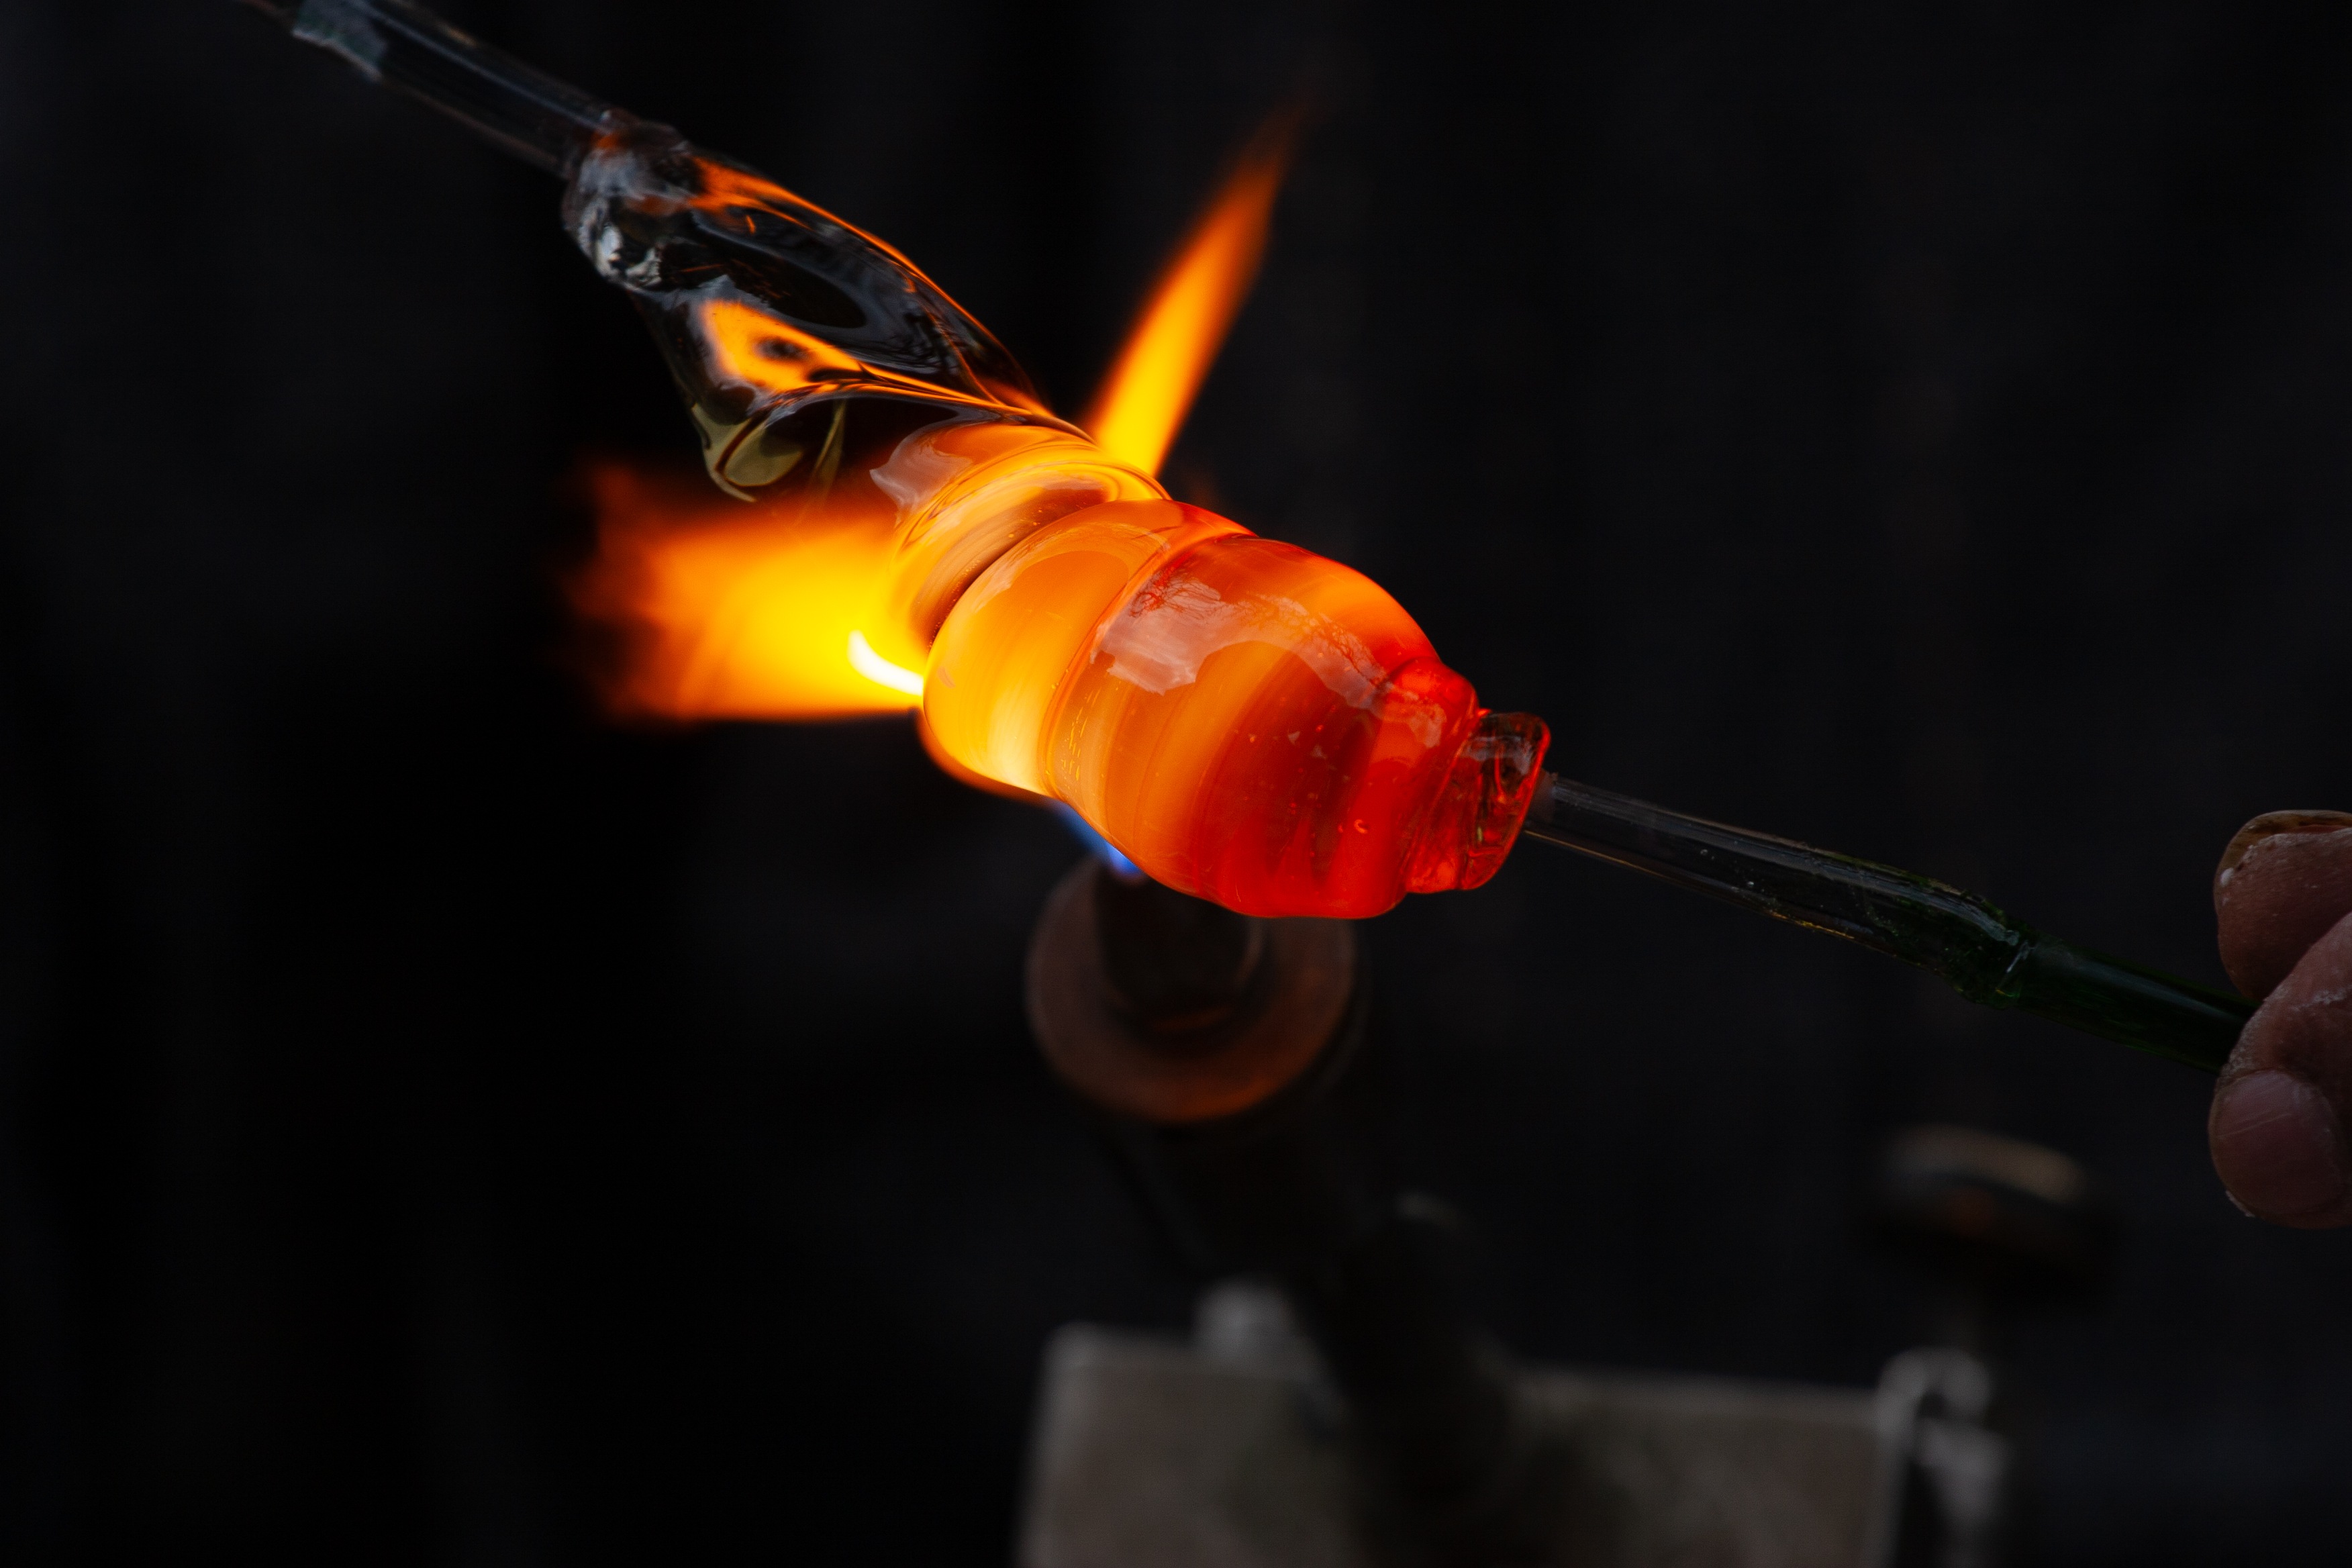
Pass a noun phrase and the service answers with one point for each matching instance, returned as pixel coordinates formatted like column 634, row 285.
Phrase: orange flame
column 725, row 612
column 1150, row 388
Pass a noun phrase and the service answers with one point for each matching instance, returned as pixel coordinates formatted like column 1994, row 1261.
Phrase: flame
column 730, row 612
column 1149, row 390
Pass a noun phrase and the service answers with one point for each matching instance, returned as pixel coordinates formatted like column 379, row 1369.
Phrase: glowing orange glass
column 1245, row 719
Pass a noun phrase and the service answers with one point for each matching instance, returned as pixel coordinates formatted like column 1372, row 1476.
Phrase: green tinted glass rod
column 1973, row 946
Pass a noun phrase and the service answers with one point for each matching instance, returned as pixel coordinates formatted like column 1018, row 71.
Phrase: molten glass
column 1243, row 720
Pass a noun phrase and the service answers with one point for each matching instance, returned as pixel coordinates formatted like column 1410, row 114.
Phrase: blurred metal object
column 1994, row 1220
column 1949, row 1474
column 1226, row 1452
column 1994, row 1226
column 1173, row 1012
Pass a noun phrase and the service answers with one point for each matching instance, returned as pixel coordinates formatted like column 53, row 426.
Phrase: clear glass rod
column 530, row 114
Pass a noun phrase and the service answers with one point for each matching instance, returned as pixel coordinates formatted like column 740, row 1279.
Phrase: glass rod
column 1972, row 945
column 531, row 115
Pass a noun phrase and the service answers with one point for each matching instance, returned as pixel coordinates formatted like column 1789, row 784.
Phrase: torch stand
column 1337, row 1406
column 1224, row 1058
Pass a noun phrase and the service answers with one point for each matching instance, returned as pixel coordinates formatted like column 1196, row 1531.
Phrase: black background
column 437, row 1126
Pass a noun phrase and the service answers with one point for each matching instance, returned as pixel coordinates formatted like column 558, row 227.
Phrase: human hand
column 2282, row 899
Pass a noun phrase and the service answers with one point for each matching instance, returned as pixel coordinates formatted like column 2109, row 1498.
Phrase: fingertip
column 2270, row 825
column 2284, row 881
column 2280, row 1150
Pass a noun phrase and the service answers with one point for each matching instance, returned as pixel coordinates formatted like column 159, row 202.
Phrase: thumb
column 2278, row 1126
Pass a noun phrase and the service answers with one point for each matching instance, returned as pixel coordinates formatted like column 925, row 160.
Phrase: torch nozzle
column 1972, row 945
column 533, row 116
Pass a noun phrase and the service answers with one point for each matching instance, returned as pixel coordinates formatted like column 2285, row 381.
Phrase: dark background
column 437, row 1126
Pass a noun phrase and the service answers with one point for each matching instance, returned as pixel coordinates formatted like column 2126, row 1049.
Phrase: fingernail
column 2278, row 1148
column 2270, row 824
